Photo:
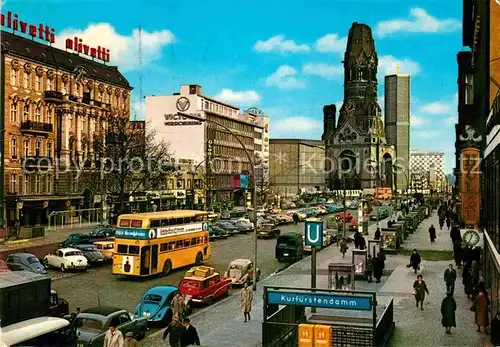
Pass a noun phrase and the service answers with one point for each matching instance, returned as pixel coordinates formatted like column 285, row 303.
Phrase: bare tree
column 126, row 159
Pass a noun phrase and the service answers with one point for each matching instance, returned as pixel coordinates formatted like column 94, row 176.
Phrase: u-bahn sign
column 314, row 234
column 309, row 299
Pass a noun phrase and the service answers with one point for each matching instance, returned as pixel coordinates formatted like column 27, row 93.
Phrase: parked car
column 241, row 271
column 155, row 305
column 66, row 259
column 272, row 219
column 106, row 248
column 345, row 216
column 25, row 262
column 216, row 232
column 102, row 231
column 268, row 231
column 353, row 224
column 93, row 323
column 289, row 247
column 243, row 226
column 284, row 219
column 91, row 253
column 203, row 285
column 58, row 307
column 76, row 239
column 228, row 226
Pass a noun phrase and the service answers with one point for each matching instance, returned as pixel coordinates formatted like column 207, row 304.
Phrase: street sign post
column 314, row 238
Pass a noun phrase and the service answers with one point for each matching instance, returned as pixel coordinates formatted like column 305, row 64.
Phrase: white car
column 66, row 259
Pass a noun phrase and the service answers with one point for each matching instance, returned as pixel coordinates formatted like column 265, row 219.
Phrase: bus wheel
column 199, row 258
column 167, row 268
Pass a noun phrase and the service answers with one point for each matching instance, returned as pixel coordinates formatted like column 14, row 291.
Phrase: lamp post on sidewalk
column 254, row 192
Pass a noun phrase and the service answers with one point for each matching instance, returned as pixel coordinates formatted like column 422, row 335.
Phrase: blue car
column 155, row 305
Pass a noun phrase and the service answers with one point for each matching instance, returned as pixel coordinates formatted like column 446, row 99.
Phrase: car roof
column 161, row 290
column 241, row 261
column 199, row 278
column 68, row 249
column 102, row 310
column 31, row 328
column 23, row 255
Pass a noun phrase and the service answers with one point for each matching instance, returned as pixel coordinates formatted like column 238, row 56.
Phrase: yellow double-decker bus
column 158, row 242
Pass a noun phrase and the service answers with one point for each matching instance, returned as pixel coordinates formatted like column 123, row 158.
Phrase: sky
column 284, row 57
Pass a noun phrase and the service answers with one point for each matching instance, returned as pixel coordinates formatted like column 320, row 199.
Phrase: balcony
column 36, row 127
column 36, row 162
column 53, row 96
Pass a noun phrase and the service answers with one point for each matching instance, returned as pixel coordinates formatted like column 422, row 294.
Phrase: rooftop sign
column 78, row 46
column 41, row 31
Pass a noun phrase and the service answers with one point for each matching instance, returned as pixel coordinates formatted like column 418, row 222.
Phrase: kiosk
column 373, row 247
column 389, row 241
column 341, row 276
column 359, row 258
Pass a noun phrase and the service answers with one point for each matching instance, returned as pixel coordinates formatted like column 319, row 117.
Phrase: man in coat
column 377, row 234
column 178, row 305
column 415, row 260
column 432, row 233
column 378, row 268
column 448, row 308
column 174, row 332
column 190, row 336
column 450, row 276
column 113, row 337
column 246, row 298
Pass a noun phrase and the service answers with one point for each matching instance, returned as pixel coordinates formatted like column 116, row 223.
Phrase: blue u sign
column 342, row 302
column 314, row 234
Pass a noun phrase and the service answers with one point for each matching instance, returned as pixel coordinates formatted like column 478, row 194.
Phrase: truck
column 26, row 295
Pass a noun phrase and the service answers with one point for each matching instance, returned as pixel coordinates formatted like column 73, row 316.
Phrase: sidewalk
column 420, row 238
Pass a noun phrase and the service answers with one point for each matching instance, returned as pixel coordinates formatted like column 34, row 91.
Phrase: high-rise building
column 397, row 124
column 356, row 146
column 429, row 166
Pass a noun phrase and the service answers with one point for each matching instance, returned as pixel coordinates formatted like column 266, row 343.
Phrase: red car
column 203, row 285
column 345, row 216
column 353, row 225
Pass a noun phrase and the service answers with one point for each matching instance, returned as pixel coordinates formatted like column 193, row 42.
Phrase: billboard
column 494, row 49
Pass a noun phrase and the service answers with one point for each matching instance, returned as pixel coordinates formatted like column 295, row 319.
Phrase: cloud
column 326, row 71
column 285, row 78
column 297, row 125
column 387, row 65
column 124, row 50
column 426, row 134
column 416, row 121
column 244, row 97
column 331, row 43
column 419, row 22
column 436, row 108
column 279, row 44
column 451, row 120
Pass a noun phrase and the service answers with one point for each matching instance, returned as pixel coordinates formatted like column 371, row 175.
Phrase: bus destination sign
column 145, row 234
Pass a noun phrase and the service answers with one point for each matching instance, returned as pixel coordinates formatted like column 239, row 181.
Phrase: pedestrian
column 457, row 253
column 480, row 308
column 450, row 276
column 174, row 332
column 178, row 305
column 382, row 257
column 467, row 281
column 455, row 234
column 415, row 261
column 448, row 308
column 357, row 239
column 377, row 234
column 246, row 298
column 343, row 247
column 362, row 243
column 369, row 269
column 419, row 290
column 495, row 330
column 432, row 233
column 190, row 336
column 448, row 222
column 113, row 337
column 130, row 341
column 441, row 223
column 295, row 218
column 378, row 268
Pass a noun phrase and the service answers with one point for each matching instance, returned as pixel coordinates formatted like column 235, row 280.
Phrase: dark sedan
column 102, row 231
column 91, row 253
column 25, row 262
column 228, row 226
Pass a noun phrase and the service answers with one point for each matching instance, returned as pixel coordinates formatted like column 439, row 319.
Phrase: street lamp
column 254, row 193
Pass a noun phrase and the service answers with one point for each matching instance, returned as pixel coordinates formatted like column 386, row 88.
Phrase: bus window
column 136, row 223
column 204, row 239
column 193, row 241
column 125, row 223
column 171, row 245
column 198, row 240
column 164, row 222
column 154, row 224
column 122, row 249
column 186, row 243
column 178, row 244
column 201, row 218
column 133, row 250
column 164, row 247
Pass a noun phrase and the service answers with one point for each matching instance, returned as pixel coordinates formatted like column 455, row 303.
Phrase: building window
column 13, row 183
column 37, row 184
column 38, row 114
column 26, row 189
column 38, row 148
column 26, row 148
column 13, row 77
column 100, row 96
column 26, row 110
column 49, row 84
column 49, row 184
column 13, row 112
column 26, row 80
column 13, row 147
column 77, row 89
column 49, row 115
column 49, row 149
column 38, row 83
column 469, row 89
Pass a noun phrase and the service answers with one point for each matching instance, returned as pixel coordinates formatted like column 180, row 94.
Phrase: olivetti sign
column 175, row 119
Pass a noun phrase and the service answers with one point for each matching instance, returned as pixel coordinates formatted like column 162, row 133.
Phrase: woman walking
column 420, row 288
column 415, row 260
column 448, row 308
column 480, row 307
